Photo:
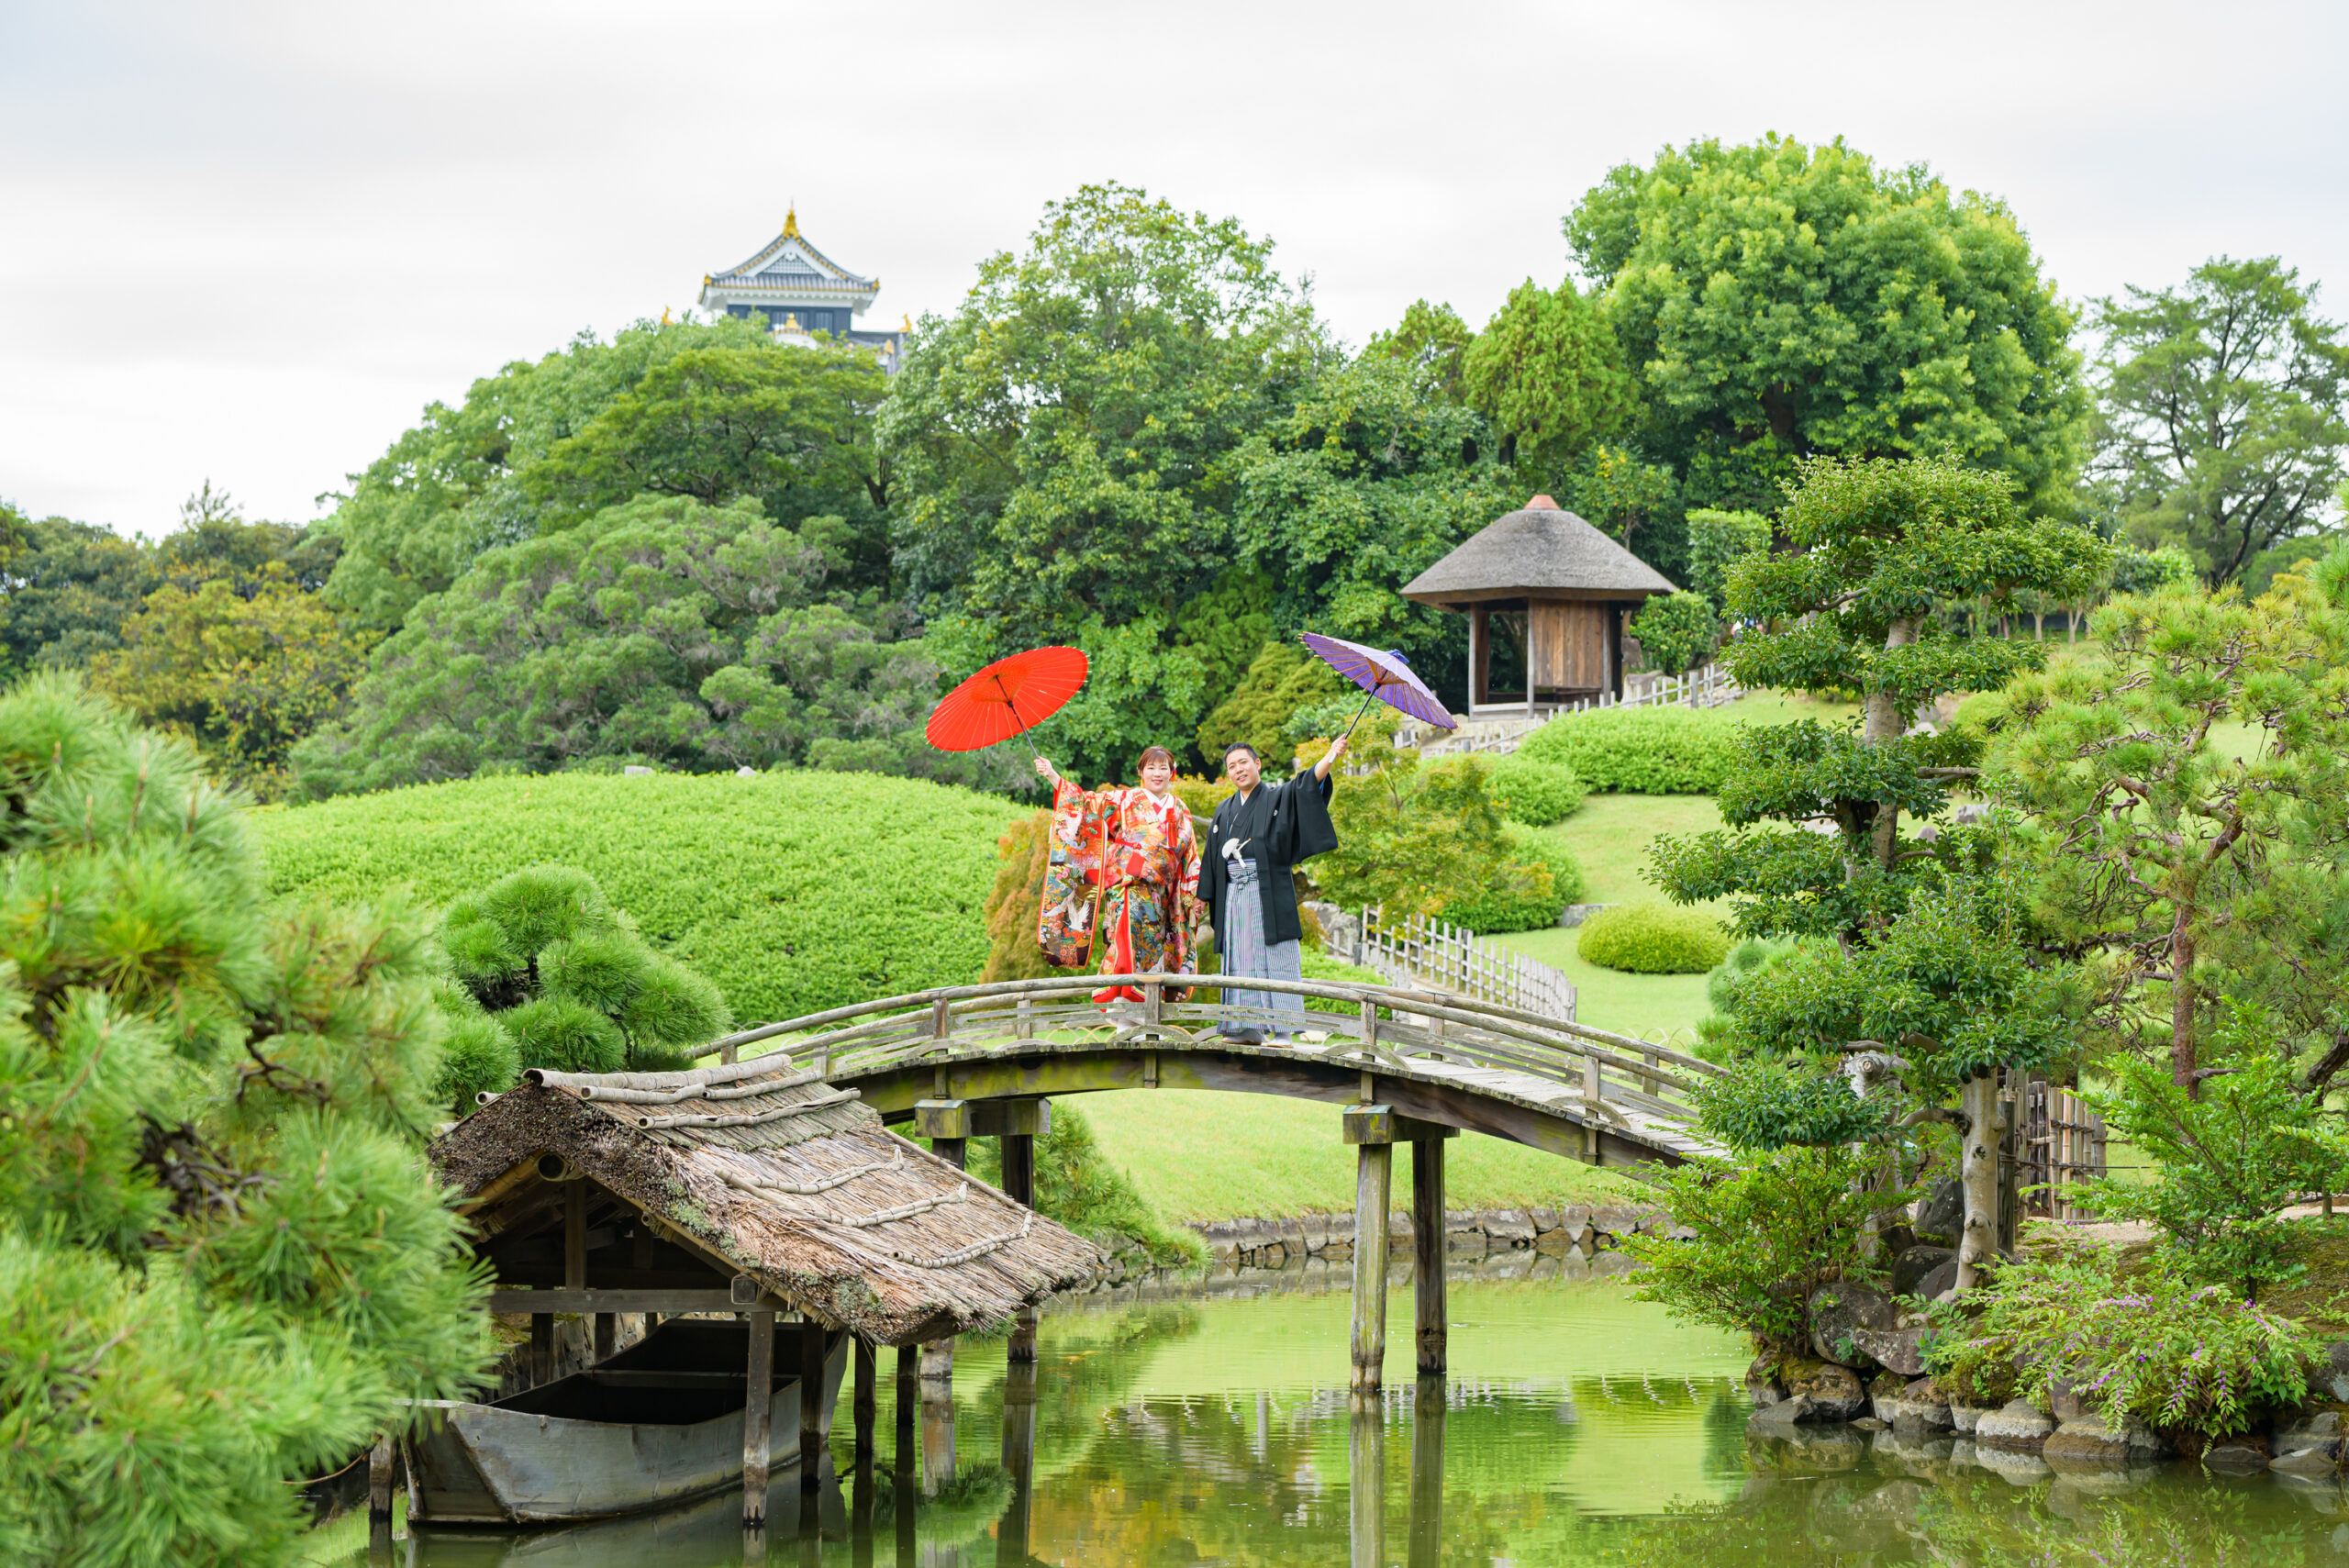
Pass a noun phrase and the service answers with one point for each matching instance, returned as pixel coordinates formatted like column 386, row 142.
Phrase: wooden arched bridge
column 1408, row 1066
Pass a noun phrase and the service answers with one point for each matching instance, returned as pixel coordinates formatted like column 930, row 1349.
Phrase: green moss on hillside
column 793, row 891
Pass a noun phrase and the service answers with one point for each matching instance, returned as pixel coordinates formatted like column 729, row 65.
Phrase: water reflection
column 1209, row 1423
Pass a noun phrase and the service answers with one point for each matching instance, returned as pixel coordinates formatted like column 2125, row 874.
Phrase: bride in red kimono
column 1124, row 864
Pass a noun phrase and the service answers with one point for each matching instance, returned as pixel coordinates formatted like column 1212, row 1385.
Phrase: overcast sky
column 249, row 242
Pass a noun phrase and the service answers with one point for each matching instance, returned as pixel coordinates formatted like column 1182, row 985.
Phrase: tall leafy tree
column 223, row 1265
column 2167, row 853
column 2224, row 411
column 1548, row 373
column 1776, row 301
column 659, row 632
column 1433, row 343
column 453, row 486
column 69, row 589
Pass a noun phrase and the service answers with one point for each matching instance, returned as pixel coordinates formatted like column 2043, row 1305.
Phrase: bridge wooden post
column 1430, row 1320
column 1374, row 1190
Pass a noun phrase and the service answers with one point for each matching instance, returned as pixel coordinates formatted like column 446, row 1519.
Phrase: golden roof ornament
column 791, row 222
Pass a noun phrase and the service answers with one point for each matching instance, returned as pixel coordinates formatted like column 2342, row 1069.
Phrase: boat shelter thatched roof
column 758, row 1172
column 1541, row 551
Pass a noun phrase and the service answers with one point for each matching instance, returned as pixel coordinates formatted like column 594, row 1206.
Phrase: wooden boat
column 659, row 1422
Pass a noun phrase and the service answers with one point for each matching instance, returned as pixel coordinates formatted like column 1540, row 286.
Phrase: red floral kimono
column 1125, row 864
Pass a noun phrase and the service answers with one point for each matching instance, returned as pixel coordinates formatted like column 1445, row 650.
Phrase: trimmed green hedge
column 1652, row 938
column 1536, row 792
column 794, row 890
column 1640, row 751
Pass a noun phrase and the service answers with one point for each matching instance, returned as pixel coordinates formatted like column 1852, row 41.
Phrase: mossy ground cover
column 793, row 891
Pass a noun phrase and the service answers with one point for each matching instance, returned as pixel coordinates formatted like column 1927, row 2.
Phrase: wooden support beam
column 815, row 1415
column 1385, row 1124
column 379, row 1480
column 607, row 1335
column 905, row 1473
column 539, row 1302
column 1374, row 1178
column 1430, row 1321
column 541, row 1344
column 758, row 1420
column 1018, row 1457
column 864, row 1399
column 574, row 1234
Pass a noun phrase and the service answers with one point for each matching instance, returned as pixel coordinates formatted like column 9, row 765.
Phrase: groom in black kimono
column 1257, row 836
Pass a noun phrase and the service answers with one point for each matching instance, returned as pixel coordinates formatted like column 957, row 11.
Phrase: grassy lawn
column 1609, row 837
column 1202, row 1155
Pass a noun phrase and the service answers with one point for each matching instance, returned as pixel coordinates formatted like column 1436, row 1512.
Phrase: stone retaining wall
column 1572, row 1227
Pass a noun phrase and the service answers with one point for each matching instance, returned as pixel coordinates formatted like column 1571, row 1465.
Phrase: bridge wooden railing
column 1382, row 1025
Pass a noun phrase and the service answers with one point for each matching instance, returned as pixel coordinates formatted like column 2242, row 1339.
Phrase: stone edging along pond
column 1569, row 1227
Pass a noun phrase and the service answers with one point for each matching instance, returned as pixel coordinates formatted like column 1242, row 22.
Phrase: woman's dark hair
column 1241, row 746
column 1158, row 753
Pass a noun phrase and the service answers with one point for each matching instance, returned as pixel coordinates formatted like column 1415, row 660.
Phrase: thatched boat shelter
column 1545, row 593
column 751, row 1186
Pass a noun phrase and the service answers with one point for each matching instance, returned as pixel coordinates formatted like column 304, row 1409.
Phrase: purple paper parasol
column 1386, row 676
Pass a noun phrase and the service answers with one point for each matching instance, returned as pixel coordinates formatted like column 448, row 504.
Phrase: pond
column 1206, row 1421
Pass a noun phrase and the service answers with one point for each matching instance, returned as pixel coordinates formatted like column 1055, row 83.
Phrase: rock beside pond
column 1964, row 1417
column 2243, row 1456
column 1910, row 1269
column 2015, row 1427
column 1899, row 1351
column 2096, row 1441
column 2312, row 1447
column 1912, row 1407
column 1833, row 1392
column 1941, row 1218
column 1838, row 1312
column 2329, row 1379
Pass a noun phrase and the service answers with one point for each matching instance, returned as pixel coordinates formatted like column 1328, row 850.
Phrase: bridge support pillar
column 1433, row 1323
column 1375, row 1130
column 1374, row 1188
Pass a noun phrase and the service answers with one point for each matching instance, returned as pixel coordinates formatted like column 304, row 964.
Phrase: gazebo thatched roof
column 762, row 1170
column 1543, row 552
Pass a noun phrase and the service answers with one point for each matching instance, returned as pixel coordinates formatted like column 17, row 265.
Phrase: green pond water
column 1207, row 1422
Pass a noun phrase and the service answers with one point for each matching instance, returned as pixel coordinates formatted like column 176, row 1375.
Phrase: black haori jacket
column 1282, row 825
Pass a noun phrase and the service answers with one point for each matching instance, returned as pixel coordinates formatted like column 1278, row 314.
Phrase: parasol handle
column 1009, row 702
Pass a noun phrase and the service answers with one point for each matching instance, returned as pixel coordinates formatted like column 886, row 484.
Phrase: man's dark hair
column 1243, row 746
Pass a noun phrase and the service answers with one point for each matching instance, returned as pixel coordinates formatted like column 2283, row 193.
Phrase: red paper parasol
column 1006, row 698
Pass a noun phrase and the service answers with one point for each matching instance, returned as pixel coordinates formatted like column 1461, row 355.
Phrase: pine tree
column 223, row 1263
column 545, row 973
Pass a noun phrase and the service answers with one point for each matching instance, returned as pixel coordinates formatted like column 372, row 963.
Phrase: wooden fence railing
column 1419, row 951
column 2060, row 1142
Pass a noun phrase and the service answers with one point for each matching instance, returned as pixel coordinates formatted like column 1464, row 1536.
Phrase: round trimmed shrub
column 1536, row 792
column 1652, row 938
column 1516, row 902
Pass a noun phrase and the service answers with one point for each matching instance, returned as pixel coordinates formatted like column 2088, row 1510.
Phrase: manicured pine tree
column 223, row 1264
column 545, row 973
column 1817, row 847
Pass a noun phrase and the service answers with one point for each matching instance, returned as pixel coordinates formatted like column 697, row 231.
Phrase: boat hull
column 492, row 1465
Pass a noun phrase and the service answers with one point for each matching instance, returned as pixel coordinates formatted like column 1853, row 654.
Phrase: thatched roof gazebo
column 749, row 1185
column 1546, row 594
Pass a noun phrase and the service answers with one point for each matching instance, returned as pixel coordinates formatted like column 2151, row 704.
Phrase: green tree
column 1066, row 440
column 69, row 588
column 223, row 1265
column 2151, row 830
column 1424, row 838
column 1715, row 540
column 1776, row 301
column 1432, row 342
column 546, row 973
column 662, row 631
column 1923, row 945
column 1676, row 631
column 243, row 669
column 1282, row 680
column 453, row 486
column 2224, row 411
column 1548, row 373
